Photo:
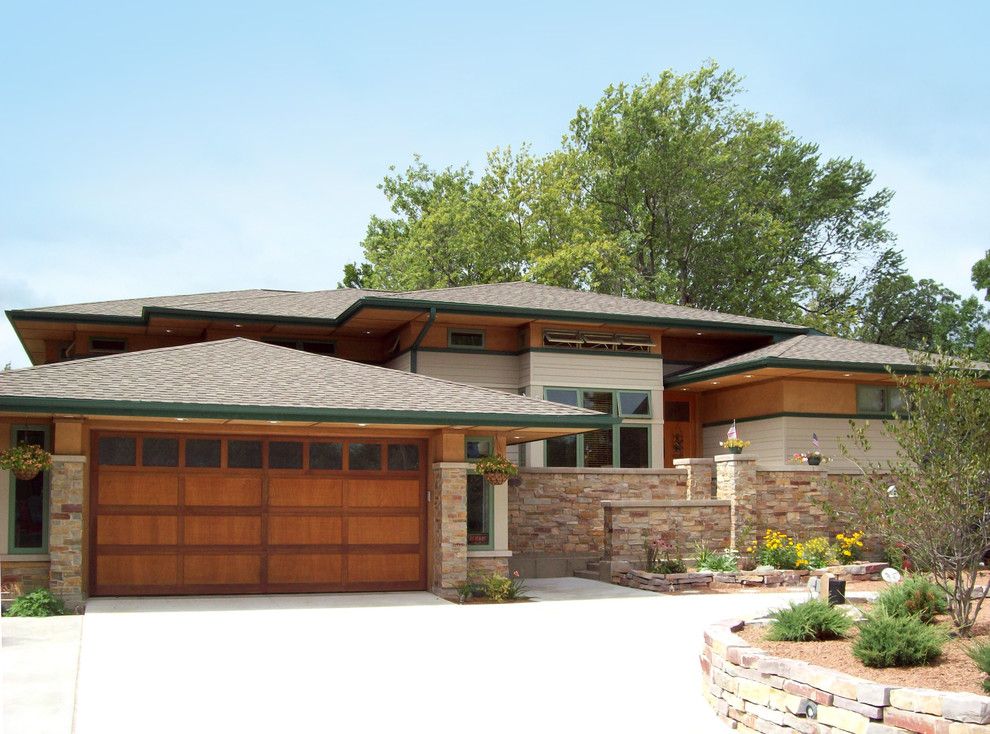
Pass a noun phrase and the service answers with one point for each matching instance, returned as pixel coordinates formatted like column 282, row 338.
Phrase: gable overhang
column 754, row 367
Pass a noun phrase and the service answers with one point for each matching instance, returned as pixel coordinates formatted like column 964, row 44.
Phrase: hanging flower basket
column 496, row 469
column 25, row 461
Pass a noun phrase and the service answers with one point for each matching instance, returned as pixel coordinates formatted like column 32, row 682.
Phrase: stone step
column 587, row 574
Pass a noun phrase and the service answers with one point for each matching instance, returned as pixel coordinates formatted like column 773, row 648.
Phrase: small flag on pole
column 732, row 431
column 814, row 441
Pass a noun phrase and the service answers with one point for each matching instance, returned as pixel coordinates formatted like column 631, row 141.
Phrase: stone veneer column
column 700, row 477
column 735, row 480
column 449, row 517
column 65, row 535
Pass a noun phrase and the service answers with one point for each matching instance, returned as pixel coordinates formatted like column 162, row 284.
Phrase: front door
column 680, row 430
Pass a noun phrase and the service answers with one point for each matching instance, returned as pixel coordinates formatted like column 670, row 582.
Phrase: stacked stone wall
column 682, row 523
column 65, row 540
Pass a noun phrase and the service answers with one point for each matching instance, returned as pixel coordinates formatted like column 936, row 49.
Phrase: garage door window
column 118, row 451
column 364, row 456
column 244, row 454
column 285, row 455
column 203, row 453
column 403, row 457
column 160, row 452
column 327, row 456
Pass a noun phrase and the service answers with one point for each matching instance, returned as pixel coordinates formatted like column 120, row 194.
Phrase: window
column 117, row 450
column 326, row 456
column 29, row 499
column 479, row 496
column 285, row 455
column 475, row 448
column 244, row 454
column 160, row 452
column 626, row 445
column 105, row 345
column 403, row 457
column 597, row 341
column 466, row 339
column 878, row 400
column 203, row 453
column 364, row 456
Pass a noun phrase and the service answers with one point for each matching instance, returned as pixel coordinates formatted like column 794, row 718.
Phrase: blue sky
column 173, row 148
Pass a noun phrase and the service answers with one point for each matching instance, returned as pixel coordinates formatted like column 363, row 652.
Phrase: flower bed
column 703, row 580
column 752, row 690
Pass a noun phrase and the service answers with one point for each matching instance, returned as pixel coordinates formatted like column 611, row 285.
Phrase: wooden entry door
column 186, row 514
column 680, row 428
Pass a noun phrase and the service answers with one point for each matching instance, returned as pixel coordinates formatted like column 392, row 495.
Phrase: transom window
column 29, row 499
column 598, row 341
column 466, row 338
column 626, row 445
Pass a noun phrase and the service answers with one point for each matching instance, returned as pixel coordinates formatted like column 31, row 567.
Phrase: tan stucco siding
column 496, row 371
column 551, row 369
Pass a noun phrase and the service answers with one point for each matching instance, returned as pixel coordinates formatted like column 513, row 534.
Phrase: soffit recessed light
column 367, row 332
column 180, row 419
column 748, row 375
column 362, row 425
column 168, row 331
column 699, row 333
column 714, row 382
column 273, row 421
column 847, row 374
column 237, row 326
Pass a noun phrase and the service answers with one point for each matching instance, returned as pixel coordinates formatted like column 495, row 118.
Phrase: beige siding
column 766, row 437
column 591, row 370
column 776, row 439
column 497, row 371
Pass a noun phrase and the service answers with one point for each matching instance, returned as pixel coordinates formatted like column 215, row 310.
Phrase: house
column 277, row 441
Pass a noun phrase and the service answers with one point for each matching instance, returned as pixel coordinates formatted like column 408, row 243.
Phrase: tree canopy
column 668, row 190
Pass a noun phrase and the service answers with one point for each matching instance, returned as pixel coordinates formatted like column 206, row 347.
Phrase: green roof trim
column 691, row 378
column 274, row 412
column 798, row 414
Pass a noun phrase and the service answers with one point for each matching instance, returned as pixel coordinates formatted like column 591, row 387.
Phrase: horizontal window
column 160, row 452
column 313, row 347
column 466, row 338
column 403, row 457
column 597, row 341
column 102, row 345
column 475, row 448
column 327, row 456
column 203, row 453
column 364, row 456
column 285, row 455
column 880, row 400
column 244, row 454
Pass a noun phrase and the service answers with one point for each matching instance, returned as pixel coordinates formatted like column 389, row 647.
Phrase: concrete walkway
column 585, row 657
column 40, row 660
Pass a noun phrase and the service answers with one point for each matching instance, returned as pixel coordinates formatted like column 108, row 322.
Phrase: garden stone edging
column 754, row 691
column 647, row 581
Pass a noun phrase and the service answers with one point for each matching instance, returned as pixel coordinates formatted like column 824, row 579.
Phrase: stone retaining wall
column 753, row 691
column 684, row 523
column 487, row 566
column 625, row 575
column 664, row 581
column 558, row 512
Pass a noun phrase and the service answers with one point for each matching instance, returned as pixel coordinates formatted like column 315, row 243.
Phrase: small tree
column 934, row 498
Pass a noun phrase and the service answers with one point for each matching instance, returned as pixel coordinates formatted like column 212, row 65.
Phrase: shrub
column 980, row 654
column 778, row 550
column 38, row 603
column 818, row 552
column 915, row 596
column 810, row 620
column 662, row 556
column 710, row 560
column 496, row 587
column 886, row 641
column 849, row 548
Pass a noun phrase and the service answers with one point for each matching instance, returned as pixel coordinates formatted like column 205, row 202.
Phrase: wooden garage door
column 183, row 514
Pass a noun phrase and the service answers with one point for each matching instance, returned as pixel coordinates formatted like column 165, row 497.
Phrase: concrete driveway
column 586, row 657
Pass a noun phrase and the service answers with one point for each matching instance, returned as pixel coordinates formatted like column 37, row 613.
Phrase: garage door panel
column 304, row 530
column 137, row 530
column 227, row 568
column 383, row 567
column 383, row 530
column 137, row 570
column 138, row 489
column 304, row 492
column 383, row 493
column 305, row 568
column 219, row 491
column 222, row 530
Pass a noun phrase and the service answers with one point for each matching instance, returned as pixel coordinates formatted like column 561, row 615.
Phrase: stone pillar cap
column 722, row 458
column 688, row 462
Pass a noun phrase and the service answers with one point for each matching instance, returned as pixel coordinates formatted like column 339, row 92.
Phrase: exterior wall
column 486, row 565
column 539, row 370
column 19, row 577
column 403, row 363
column 66, row 532
column 496, row 371
column 774, row 440
column 628, row 523
column 558, row 512
column 448, row 520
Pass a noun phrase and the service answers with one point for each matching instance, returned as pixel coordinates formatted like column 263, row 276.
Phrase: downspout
column 419, row 339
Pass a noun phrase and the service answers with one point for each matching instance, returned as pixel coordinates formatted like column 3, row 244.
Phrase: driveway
column 586, row 657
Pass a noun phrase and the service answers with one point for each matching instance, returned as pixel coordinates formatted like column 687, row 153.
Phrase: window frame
column 488, row 496
column 45, row 496
column 95, row 350
column 616, row 429
column 887, row 392
column 649, row 403
column 470, row 348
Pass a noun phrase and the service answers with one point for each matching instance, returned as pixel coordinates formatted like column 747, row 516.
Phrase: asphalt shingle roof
column 809, row 348
column 234, row 373
column 331, row 304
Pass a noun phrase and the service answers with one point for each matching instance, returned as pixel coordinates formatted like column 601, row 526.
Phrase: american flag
column 732, row 431
column 814, row 440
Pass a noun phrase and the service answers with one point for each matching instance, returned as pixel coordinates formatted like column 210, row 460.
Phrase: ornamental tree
column 933, row 499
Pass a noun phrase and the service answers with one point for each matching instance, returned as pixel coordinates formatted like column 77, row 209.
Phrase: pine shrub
column 887, row 641
column 810, row 620
column 980, row 654
column 915, row 596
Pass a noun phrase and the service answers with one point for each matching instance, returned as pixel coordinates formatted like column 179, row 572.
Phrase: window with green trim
column 466, row 338
column 626, row 445
column 479, row 497
column 878, row 399
column 28, row 509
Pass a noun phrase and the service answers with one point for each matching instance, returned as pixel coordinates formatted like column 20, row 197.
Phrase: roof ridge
column 177, row 295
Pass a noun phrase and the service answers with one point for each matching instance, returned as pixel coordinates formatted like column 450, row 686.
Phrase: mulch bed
column 953, row 671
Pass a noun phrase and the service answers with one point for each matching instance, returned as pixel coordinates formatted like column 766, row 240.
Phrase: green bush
column 38, row 603
column 711, row 560
column 980, row 654
column 810, row 620
column 886, row 641
column 915, row 596
column 819, row 553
